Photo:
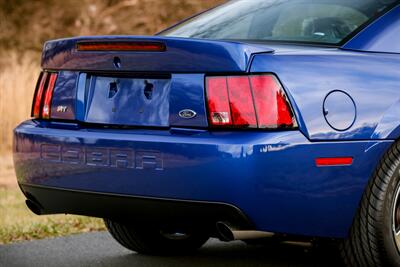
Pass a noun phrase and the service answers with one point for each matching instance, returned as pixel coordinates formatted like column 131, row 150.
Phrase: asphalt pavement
column 99, row 249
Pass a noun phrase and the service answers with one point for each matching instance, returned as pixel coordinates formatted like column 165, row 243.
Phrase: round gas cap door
column 339, row 110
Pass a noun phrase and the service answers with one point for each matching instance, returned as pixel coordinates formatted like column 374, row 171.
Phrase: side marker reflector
column 343, row 161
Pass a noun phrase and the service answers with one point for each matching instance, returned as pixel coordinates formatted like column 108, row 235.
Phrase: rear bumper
column 47, row 200
column 271, row 177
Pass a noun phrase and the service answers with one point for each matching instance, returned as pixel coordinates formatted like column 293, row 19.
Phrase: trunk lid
column 180, row 55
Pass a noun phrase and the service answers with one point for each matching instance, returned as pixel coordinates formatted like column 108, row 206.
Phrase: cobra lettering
column 103, row 157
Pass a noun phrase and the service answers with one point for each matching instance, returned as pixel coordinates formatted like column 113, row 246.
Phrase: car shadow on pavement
column 238, row 254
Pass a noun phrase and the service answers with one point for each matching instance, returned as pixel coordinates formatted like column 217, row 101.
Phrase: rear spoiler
column 169, row 55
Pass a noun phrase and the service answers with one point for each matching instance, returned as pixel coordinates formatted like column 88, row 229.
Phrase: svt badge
column 62, row 109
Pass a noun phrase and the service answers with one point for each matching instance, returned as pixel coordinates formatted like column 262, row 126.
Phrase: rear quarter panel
column 371, row 79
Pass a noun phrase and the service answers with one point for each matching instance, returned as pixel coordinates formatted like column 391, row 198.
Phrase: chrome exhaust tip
column 227, row 233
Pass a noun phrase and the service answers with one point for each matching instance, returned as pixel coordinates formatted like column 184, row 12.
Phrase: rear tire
column 372, row 239
column 149, row 239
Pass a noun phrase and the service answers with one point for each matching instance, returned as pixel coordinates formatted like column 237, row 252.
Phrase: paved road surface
column 99, row 249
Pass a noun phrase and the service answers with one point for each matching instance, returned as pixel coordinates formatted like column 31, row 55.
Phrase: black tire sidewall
column 389, row 243
column 146, row 238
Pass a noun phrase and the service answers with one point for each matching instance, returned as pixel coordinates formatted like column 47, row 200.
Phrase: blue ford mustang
column 254, row 119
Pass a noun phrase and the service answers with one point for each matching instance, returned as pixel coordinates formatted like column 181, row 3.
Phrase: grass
column 7, row 178
column 18, row 75
column 17, row 223
column 17, row 82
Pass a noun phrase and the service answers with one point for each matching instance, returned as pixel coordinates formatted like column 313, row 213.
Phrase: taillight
column 241, row 102
column 44, row 93
column 48, row 96
column 218, row 106
column 255, row 101
column 37, row 100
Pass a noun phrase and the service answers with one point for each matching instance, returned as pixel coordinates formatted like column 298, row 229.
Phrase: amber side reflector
column 343, row 161
column 121, row 46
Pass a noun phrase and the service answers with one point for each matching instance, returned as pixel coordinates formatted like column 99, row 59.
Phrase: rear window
column 313, row 21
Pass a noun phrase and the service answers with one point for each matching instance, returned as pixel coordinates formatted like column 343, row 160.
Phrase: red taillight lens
column 241, row 102
column 218, row 101
column 39, row 94
column 48, row 96
column 271, row 104
column 44, row 94
column 256, row 101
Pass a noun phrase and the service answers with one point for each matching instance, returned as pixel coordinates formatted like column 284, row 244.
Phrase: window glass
column 316, row 21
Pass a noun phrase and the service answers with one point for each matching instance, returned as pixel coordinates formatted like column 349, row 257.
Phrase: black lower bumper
column 48, row 200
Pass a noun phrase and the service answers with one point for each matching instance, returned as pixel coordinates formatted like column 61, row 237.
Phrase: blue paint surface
column 182, row 55
column 381, row 36
column 270, row 175
column 371, row 79
column 64, row 95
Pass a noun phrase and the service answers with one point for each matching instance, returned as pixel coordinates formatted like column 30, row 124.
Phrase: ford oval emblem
column 187, row 114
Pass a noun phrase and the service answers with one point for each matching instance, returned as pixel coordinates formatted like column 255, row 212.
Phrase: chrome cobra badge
column 187, row 114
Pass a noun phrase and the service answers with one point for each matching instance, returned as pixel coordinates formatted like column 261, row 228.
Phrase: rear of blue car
column 154, row 132
column 176, row 139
